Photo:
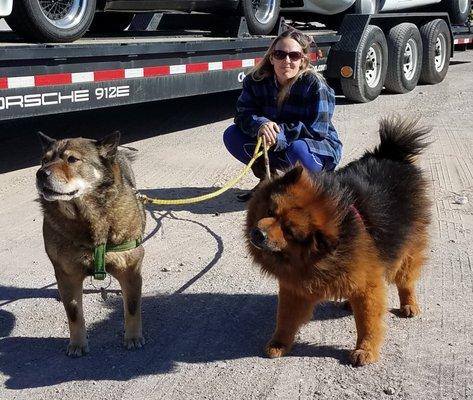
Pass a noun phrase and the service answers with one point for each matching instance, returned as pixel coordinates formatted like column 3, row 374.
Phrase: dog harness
column 102, row 249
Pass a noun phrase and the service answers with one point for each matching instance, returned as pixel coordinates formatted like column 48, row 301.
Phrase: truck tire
column 458, row 10
column 372, row 57
column 261, row 15
column 110, row 22
column 405, row 58
column 51, row 21
column 437, row 47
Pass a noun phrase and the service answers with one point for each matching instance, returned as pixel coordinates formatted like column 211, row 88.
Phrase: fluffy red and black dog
column 342, row 235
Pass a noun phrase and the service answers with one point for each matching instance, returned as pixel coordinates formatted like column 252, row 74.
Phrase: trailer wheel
column 405, row 58
column 261, row 15
column 437, row 46
column 371, row 61
column 109, row 22
column 458, row 10
column 51, row 20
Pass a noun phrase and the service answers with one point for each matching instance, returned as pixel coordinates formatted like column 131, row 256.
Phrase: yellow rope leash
column 148, row 200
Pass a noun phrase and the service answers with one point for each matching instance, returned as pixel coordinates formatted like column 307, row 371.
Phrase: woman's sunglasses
column 293, row 55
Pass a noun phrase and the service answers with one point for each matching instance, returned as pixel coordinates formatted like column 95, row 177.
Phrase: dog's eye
column 72, row 159
column 270, row 213
column 287, row 230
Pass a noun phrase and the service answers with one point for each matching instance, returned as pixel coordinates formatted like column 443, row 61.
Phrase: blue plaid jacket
column 306, row 113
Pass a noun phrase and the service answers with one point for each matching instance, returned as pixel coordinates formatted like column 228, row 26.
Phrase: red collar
column 357, row 213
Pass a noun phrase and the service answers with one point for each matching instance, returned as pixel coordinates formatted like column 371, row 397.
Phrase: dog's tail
column 401, row 139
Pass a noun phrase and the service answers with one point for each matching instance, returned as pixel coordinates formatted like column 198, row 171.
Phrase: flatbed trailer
column 136, row 67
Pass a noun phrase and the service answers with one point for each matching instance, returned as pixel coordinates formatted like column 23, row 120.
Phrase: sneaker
column 244, row 197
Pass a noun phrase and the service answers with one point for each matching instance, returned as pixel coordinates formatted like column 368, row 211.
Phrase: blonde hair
column 265, row 69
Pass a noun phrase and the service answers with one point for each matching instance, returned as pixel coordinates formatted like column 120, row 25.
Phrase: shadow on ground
column 20, row 148
column 179, row 328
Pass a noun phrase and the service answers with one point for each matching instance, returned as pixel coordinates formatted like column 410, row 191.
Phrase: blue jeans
column 242, row 146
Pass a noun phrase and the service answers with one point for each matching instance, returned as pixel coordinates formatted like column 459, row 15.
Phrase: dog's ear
column 323, row 244
column 46, row 141
column 289, row 178
column 108, row 145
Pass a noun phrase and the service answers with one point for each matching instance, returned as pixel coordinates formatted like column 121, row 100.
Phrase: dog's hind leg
column 407, row 276
column 131, row 281
column 70, row 289
column 293, row 311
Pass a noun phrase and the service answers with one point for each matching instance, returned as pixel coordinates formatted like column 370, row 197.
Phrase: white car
column 68, row 20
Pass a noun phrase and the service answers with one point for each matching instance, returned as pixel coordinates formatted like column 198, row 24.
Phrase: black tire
column 405, row 58
column 458, row 10
column 110, row 22
column 365, row 7
column 261, row 15
column 28, row 20
column 437, row 45
column 372, row 57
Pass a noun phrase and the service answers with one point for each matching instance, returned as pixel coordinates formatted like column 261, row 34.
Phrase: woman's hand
column 270, row 131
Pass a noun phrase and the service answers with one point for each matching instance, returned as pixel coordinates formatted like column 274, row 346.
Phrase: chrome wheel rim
column 440, row 52
column 374, row 58
column 410, row 59
column 263, row 10
column 64, row 14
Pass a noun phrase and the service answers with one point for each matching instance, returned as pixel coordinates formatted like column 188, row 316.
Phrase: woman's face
column 286, row 59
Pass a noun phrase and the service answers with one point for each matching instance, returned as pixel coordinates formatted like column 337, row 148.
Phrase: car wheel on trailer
column 371, row 62
column 405, row 58
column 51, row 20
column 458, row 10
column 437, row 47
column 261, row 15
column 109, row 22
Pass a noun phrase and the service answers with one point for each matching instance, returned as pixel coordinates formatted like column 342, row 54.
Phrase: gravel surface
column 207, row 311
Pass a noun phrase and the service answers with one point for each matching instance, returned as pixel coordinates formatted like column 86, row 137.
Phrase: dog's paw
column 77, row 349
column 410, row 310
column 360, row 357
column 134, row 343
column 275, row 349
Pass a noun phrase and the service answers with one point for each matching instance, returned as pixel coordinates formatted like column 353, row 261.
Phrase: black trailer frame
column 136, row 67
column 39, row 79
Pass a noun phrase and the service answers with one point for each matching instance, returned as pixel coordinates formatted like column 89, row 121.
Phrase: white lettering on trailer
column 11, row 101
column 81, row 95
column 32, row 100
column 112, row 92
column 55, row 98
column 51, row 102
column 241, row 76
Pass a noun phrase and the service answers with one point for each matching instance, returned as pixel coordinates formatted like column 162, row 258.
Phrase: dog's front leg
column 294, row 310
column 369, row 307
column 70, row 289
column 131, row 281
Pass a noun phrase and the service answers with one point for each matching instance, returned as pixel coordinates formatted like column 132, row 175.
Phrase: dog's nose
column 42, row 174
column 257, row 236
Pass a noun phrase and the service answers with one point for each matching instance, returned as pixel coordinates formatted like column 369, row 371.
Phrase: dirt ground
column 207, row 310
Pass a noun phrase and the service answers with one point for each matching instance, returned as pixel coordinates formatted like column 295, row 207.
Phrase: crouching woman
column 288, row 102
